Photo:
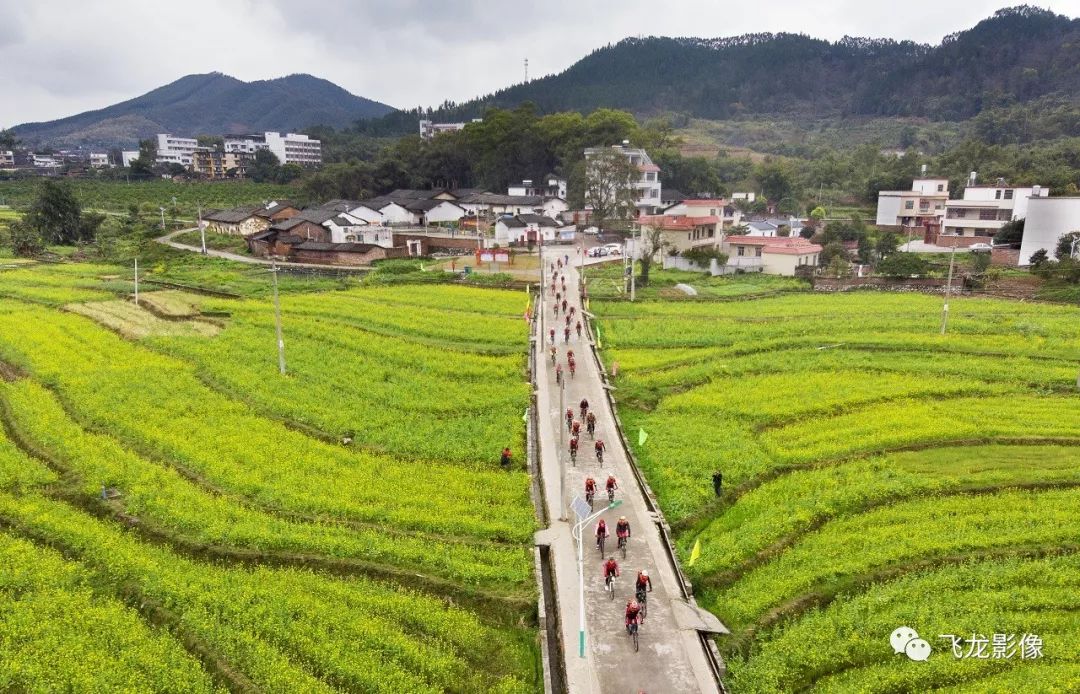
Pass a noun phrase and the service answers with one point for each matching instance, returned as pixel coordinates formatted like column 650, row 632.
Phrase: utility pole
column 162, row 218
column 526, row 69
column 136, row 281
column 633, row 280
column 277, row 321
column 202, row 230
column 948, row 291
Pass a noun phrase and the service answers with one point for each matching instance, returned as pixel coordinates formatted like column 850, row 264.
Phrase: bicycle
column 609, row 583
column 633, row 629
column 622, row 545
column 591, row 428
column 642, row 598
column 600, row 542
column 589, row 498
column 600, row 456
column 611, row 495
column 573, row 456
column 573, row 367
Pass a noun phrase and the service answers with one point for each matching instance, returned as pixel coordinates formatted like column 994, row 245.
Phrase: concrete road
column 671, row 657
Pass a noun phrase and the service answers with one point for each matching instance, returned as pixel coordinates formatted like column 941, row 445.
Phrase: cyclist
column 567, row 316
column 551, row 334
column 558, row 373
column 590, row 423
column 573, row 449
column 557, row 297
column 642, row 582
column 554, row 354
column 569, row 418
column 622, row 530
column 611, row 571
column 576, row 429
column 566, row 334
column 572, row 309
column 599, row 448
column 611, row 486
column 590, row 489
column 602, row 533
column 584, row 406
column 564, row 305
column 579, row 330
column 633, row 614
column 504, row 459
column 570, row 362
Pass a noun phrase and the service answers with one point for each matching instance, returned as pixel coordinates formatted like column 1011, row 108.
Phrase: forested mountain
column 209, row 104
column 1019, row 54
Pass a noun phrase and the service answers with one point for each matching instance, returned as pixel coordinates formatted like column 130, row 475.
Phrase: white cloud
column 61, row 57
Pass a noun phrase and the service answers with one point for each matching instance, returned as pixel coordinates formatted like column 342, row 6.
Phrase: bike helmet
column 644, row 573
column 622, row 518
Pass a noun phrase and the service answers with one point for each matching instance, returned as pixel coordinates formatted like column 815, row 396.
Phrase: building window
column 1008, row 195
column 740, row 251
column 654, row 193
column 940, row 188
column 757, row 251
column 997, row 194
column 909, row 205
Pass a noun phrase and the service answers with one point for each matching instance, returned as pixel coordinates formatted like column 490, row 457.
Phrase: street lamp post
column 948, row 291
column 581, row 569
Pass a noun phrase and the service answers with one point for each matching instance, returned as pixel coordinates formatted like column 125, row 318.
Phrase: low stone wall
column 1005, row 256
column 889, row 284
column 441, row 242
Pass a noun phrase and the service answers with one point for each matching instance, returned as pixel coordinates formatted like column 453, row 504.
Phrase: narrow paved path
column 671, row 657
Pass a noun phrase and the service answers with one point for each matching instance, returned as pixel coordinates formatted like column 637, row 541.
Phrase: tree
column 25, row 240
column 887, row 243
column 1010, row 233
column 1039, row 258
column 609, row 186
column 56, row 215
column 1064, row 249
column 652, row 242
column 263, row 167
column 818, row 214
column 831, row 251
column 902, row 264
column 7, row 140
column 775, row 178
column 147, row 159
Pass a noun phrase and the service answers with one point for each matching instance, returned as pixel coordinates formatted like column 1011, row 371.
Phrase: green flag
column 641, row 437
column 695, row 553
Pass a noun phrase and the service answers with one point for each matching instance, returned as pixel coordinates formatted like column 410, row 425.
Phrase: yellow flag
column 695, row 553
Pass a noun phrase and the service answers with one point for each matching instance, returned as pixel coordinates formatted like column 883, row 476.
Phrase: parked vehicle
column 598, row 252
column 980, row 247
column 613, row 249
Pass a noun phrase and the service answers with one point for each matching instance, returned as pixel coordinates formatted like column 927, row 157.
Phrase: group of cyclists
column 635, row 611
column 637, row 606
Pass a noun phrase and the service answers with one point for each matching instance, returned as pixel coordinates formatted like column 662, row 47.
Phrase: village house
column 1047, row 221
column 983, row 210
column 684, row 232
column 923, row 204
column 238, row 221
column 647, row 195
column 729, row 215
column 524, row 229
column 770, row 255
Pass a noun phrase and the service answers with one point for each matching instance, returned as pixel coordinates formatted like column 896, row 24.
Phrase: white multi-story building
column 7, row 159
column 647, row 188
column 550, row 187
column 925, row 202
column 292, row 148
column 127, row 156
column 46, row 161
column 99, row 160
column 245, row 144
column 175, row 150
column 984, row 209
column 429, row 129
column 1047, row 220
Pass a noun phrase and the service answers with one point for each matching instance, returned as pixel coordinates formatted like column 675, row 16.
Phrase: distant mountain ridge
column 213, row 104
column 1018, row 55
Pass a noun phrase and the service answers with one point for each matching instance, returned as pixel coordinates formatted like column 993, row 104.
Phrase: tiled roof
column 783, row 245
column 233, row 215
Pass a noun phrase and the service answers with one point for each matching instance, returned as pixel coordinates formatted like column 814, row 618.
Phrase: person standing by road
column 504, row 459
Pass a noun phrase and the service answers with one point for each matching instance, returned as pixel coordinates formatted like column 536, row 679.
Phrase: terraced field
column 170, row 485
column 876, row 475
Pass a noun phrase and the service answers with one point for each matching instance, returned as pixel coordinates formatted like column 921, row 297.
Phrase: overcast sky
column 61, row 57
